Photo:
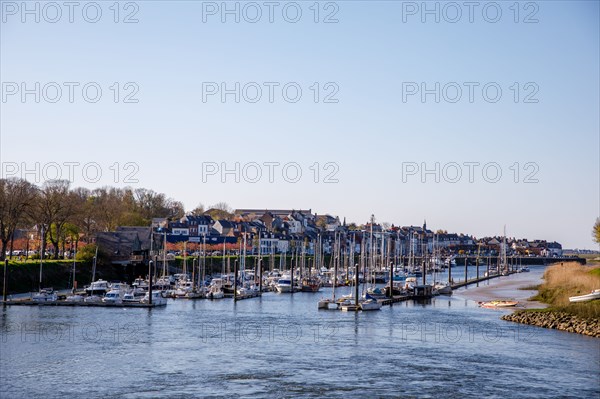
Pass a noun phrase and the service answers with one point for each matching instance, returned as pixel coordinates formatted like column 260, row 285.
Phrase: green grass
column 530, row 287
column 595, row 272
column 564, row 281
column 37, row 262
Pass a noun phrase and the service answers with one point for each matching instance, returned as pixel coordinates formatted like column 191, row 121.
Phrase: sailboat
column 330, row 303
column 439, row 287
column 44, row 294
column 163, row 283
column 97, row 289
column 369, row 303
column 503, row 268
column 74, row 297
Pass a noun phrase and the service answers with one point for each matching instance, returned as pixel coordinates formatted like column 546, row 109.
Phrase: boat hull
column 585, row 298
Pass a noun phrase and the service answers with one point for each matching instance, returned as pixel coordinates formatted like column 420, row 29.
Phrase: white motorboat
column 442, row 289
column 595, row 294
column 45, row 295
column 157, row 299
column 284, row 284
column 370, row 304
column 74, row 298
column 196, row 293
column 215, row 290
column 113, row 296
column 215, row 293
column 134, row 295
column 99, row 287
column 116, row 294
column 92, row 299
column 140, row 283
column 328, row 303
column 162, row 284
column 183, row 288
column 247, row 290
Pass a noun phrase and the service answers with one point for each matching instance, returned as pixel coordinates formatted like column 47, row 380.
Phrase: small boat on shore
column 498, row 304
column 595, row 294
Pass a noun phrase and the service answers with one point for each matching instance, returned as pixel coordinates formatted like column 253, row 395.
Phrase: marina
column 280, row 345
column 300, row 200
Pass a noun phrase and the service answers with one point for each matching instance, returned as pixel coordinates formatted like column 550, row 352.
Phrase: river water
column 281, row 346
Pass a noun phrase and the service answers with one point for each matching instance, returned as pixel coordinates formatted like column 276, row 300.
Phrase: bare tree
column 16, row 197
column 55, row 205
column 198, row 210
column 220, row 210
column 175, row 209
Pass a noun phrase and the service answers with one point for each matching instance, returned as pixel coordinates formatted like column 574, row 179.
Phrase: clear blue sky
column 372, row 49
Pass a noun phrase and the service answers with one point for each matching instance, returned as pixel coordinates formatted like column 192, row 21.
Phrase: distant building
column 127, row 245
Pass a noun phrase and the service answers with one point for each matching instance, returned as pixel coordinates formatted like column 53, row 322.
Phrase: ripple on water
column 396, row 352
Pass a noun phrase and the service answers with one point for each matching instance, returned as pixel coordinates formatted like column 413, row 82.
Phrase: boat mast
column 165, row 255
column 203, row 261
column 41, row 256
column 224, row 251
column 335, row 268
column 74, row 258
column 94, row 265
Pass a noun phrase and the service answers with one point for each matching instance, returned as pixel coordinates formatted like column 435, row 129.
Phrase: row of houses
column 271, row 231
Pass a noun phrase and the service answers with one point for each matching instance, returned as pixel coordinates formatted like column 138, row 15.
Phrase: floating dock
column 90, row 304
column 242, row 297
column 478, row 280
column 395, row 299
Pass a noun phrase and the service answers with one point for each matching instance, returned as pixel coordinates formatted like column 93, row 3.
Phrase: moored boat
column 327, row 303
column 74, row 298
column 157, row 299
column 442, row 289
column 311, row 284
column 369, row 304
column 135, row 295
column 45, row 295
column 113, row 296
column 92, row 299
column 595, row 294
column 99, row 288
column 498, row 304
column 284, row 284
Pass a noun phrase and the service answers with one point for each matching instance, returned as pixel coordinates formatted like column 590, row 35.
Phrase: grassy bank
column 567, row 279
column 24, row 276
column 562, row 281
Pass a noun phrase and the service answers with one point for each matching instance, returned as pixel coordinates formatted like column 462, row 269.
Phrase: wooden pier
column 88, row 304
column 394, row 299
column 517, row 260
column 242, row 297
column 478, row 280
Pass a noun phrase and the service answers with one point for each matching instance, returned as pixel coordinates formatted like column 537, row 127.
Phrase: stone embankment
column 557, row 320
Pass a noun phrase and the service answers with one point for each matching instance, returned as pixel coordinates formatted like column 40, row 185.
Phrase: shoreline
column 530, row 312
column 507, row 287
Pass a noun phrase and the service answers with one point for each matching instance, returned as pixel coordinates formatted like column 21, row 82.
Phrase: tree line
column 62, row 214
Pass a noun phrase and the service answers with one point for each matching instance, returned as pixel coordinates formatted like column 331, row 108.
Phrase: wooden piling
column 4, row 280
